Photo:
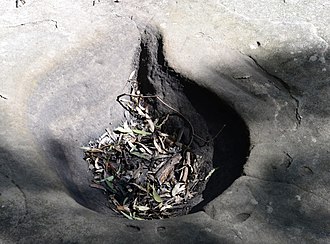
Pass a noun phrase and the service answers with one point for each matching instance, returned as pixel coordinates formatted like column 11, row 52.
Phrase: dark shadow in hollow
column 64, row 171
column 231, row 147
column 74, row 179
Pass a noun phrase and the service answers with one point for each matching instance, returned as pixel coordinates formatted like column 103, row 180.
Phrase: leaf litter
column 145, row 172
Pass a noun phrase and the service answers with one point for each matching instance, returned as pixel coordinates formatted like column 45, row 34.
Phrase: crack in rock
column 94, row 2
column 290, row 184
column 26, row 212
column 3, row 97
column 290, row 159
column 287, row 89
column 36, row 23
column 236, row 232
column 18, row 3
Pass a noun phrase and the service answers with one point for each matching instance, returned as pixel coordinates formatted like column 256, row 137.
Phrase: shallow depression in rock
column 220, row 135
column 205, row 110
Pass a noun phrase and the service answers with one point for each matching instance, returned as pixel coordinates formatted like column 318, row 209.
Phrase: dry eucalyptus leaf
column 156, row 196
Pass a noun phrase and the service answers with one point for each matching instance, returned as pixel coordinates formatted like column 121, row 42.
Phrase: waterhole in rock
column 179, row 145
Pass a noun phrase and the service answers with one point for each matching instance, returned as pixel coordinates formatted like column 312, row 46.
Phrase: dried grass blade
column 159, row 149
column 145, row 147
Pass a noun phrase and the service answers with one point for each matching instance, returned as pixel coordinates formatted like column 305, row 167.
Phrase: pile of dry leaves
column 145, row 172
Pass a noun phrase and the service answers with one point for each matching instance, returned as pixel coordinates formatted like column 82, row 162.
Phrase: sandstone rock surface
column 64, row 62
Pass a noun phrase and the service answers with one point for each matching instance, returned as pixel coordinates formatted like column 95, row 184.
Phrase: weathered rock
column 257, row 210
column 271, row 69
column 64, row 63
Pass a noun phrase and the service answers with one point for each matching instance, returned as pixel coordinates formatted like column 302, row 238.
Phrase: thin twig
column 179, row 113
column 167, row 105
column 137, row 187
column 213, row 138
